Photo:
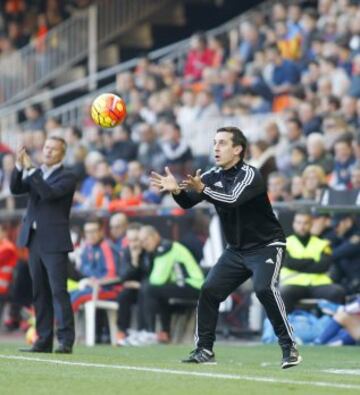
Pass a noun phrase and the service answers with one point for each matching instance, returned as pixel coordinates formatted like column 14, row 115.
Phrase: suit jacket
column 48, row 206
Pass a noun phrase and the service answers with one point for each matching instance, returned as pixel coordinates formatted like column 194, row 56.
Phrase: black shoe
column 36, row 348
column 200, row 355
column 291, row 357
column 63, row 349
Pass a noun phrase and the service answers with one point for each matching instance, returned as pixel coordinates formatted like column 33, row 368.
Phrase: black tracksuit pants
column 232, row 269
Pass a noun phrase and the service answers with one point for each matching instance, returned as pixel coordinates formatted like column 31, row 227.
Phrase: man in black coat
column 45, row 231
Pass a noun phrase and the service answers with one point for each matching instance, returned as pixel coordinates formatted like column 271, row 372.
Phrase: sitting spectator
column 262, row 157
column 285, row 74
column 134, row 270
column 354, row 89
column 346, row 251
column 297, row 160
column 198, row 58
column 296, row 187
column 130, row 196
column 344, row 326
column 174, row 274
column 8, row 259
column 176, row 150
column 316, row 153
column 311, row 122
column 150, row 154
column 344, row 160
column 99, row 261
column 277, row 187
column 118, row 225
column 304, row 273
column 315, row 182
column 7, row 201
column 355, row 177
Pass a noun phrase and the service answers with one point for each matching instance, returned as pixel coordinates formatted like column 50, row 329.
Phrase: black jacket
column 48, row 206
column 240, row 198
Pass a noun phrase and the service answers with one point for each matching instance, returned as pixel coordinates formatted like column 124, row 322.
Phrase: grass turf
column 240, row 370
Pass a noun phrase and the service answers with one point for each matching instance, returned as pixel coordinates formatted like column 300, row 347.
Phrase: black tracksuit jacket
column 240, row 199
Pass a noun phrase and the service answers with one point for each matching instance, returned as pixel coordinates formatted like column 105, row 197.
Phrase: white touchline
column 355, row 372
column 223, row 376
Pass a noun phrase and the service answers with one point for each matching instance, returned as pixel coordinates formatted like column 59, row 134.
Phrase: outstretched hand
column 164, row 183
column 193, row 182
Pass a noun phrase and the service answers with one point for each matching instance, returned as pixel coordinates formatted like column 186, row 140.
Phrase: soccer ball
column 108, row 110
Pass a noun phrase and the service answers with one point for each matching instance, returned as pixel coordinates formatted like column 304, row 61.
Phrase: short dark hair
column 238, row 137
column 134, row 226
column 94, row 220
column 60, row 139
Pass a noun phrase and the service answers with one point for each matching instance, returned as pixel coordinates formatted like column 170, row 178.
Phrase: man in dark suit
column 45, row 231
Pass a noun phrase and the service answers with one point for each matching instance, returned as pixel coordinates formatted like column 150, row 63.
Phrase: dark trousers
column 232, row 269
column 156, row 301
column 49, row 274
column 291, row 294
column 126, row 299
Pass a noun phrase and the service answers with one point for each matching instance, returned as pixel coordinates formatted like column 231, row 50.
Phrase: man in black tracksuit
column 256, row 241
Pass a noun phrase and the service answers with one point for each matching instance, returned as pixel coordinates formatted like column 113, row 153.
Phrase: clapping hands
column 23, row 159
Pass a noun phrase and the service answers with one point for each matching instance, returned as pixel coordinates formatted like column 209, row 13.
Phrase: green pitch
column 104, row 370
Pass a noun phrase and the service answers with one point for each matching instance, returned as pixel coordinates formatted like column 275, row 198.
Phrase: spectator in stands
column 198, row 58
column 7, row 201
column 346, row 250
column 123, row 147
column 135, row 268
column 317, row 154
column 91, row 161
column 334, row 127
column 34, row 118
column 288, row 40
column 250, row 41
column 344, row 325
column 294, row 137
column 176, row 150
column 150, row 153
column 174, row 274
column 314, row 179
column 311, row 122
column 304, row 273
column 285, row 73
column 354, row 89
column 8, row 259
column 262, row 157
column 99, row 261
column 277, row 187
column 296, row 187
column 344, row 160
column 130, row 196
column 72, row 136
column 355, row 177
column 205, row 108
column 339, row 80
column 348, row 109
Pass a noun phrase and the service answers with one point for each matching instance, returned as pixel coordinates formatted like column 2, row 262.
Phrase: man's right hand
column 20, row 156
column 165, row 183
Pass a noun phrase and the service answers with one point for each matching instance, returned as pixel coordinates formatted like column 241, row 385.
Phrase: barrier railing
column 174, row 52
column 30, row 67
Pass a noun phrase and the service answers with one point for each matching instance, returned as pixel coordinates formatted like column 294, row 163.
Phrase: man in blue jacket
column 45, row 231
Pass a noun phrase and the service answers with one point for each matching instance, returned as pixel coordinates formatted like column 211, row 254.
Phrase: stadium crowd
column 300, row 62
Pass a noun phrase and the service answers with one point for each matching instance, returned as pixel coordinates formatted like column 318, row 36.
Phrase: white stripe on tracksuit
column 277, row 295
column 249, row 176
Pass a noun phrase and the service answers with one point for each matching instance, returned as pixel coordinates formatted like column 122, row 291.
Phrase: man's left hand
column 193, row 182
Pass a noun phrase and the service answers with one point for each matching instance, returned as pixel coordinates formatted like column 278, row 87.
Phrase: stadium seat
column 90, row 308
